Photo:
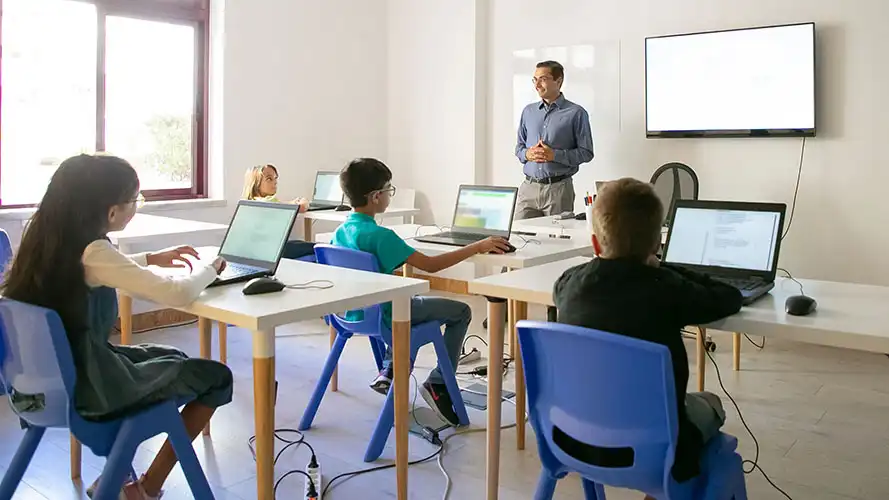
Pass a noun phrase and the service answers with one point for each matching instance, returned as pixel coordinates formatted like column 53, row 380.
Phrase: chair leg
column 379, row 350
column 593, row 490
column 191, row 467
column 546, row 486
column 334, row 377
column 447, row 373
column 382, row 429
column 76, row 458
column 20, row 461
column 118, row 464
column 326, row 373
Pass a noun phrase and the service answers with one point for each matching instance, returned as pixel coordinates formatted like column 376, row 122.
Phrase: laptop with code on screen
column 255, row 240
column 736, row 243
column 481, row 211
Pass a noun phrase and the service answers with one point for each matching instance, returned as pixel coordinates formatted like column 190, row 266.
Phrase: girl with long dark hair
column 66, row 263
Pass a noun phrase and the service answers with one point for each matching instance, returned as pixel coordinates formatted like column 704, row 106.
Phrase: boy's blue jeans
column 453, row 314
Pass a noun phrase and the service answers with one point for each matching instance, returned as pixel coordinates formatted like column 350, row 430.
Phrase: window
column 124, row 76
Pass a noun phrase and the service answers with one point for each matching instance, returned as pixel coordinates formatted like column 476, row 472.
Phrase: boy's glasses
column 391, row 190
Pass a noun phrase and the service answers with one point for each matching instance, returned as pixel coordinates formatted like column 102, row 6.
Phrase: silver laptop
column 328, row 195
column 733, row 242
column 255, row 240
column 481, row 211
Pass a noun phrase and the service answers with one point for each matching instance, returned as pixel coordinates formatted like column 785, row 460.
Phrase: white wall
column 436, row 99
column 839, row 231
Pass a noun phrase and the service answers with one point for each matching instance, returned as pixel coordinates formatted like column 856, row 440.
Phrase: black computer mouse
column 580, row 216
column 258, row 286
column 510, row 248
column 800, row 305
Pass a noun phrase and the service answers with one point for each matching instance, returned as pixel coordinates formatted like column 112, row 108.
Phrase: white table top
column 531, row 251
column 551, row 225
column 351, row 290
column 144, row 228
column 339, row 216
column 848, row 315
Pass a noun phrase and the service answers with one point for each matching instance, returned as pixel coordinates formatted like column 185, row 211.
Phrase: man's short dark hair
column 363, row 176
column 554, row 67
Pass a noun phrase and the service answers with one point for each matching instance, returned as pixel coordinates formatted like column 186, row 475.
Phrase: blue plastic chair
column 35, row 359
column 5, row 251
column 380, row 335
column 616, row 394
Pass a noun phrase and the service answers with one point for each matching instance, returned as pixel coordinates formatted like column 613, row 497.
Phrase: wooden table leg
column 205, row 334
column 521, row 313
column 407, row 271
column 401, row 368
column 510, row 327
column 702, row 358
column 307, row 229
column 264, row 408
column 736, row 351
column 125, row 313
column 223, row 342
column 495, row 388
column 334, row 379
column 76, row 455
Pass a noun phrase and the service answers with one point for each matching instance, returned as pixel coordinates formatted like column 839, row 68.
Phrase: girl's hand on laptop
column 219, row 264
column 302, row 202
column 172, row 257
column 492, row 244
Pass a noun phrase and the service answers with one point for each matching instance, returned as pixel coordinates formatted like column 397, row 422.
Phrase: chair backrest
column 330, row 255
column 36, row 363
column 5, row 251
column 602, row 404
column 674, row 181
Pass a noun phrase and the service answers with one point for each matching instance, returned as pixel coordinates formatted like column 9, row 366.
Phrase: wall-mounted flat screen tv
column 751, row 82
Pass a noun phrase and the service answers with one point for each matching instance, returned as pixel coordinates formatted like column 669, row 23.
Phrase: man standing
column 554, row 140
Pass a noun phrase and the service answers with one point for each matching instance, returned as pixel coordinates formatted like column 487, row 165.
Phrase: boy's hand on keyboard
column 219, row 264
column 492, row 244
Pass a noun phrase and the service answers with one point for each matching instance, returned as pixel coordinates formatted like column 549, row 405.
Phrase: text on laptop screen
column 257, row 233
column 739, row 239
column 484, row 209
column 327, row 188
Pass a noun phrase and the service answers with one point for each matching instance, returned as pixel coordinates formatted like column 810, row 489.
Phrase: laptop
column 255, row 240
column 736, row 243
column 328, row 195
column 481, row 211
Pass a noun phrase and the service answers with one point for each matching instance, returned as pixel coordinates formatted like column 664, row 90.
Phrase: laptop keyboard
column 234, row 270
column 461, row 236
column 740, row 283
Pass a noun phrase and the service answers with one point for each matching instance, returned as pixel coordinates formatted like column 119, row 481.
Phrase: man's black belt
column 547, row 180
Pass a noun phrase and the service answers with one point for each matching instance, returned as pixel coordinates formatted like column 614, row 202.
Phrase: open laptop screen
column 257, row 233
column 484, row 210
column 327, row 188
column 727, row 238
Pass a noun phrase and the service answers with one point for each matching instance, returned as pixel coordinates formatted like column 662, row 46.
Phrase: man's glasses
column 542, row 79
column 139, row 201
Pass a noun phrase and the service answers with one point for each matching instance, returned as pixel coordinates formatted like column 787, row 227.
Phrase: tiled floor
column 820, row 415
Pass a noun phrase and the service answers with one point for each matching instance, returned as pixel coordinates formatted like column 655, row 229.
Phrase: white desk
column 309, row 218
column 530, row 251
column 261, row 314
column 849, row 315
column 549, row 225
column 145, row 229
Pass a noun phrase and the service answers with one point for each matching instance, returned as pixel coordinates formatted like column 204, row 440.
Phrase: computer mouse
column 800, row 305
column 258, row 286
column 580, row 216
column 509, row 248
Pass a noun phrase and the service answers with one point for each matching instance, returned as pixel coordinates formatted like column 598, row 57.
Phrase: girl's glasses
column 139, row 201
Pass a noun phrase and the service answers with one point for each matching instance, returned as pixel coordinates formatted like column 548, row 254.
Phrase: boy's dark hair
column 361, row 177
column 554, row 67
column 627, row 219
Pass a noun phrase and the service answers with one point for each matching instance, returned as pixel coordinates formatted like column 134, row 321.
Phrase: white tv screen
column 746, row 82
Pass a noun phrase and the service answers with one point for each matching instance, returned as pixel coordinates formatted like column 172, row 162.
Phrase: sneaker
column 383, row 382
column 438, row 399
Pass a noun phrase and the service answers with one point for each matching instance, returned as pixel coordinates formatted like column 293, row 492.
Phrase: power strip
column 469, row 357
column 313, row 470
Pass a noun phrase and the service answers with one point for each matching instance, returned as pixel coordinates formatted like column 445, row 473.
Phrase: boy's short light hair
column 627, row 219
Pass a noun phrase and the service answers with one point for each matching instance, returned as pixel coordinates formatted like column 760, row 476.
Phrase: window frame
column 194, row 13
